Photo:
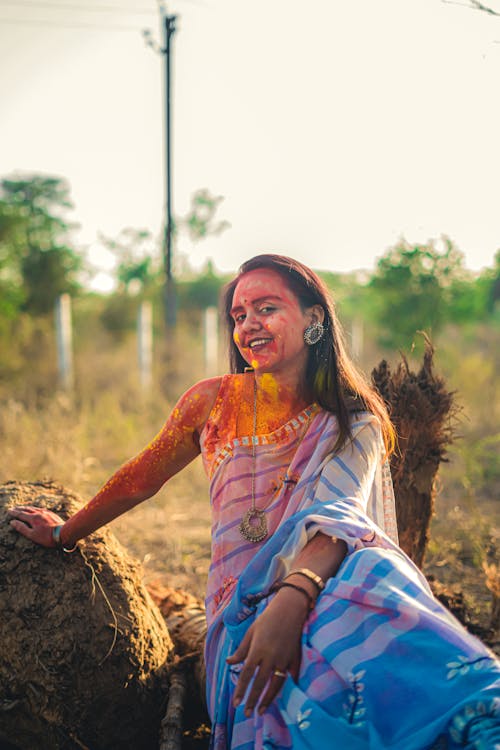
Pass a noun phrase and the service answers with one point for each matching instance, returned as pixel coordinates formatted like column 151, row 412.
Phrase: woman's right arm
column 176, row 445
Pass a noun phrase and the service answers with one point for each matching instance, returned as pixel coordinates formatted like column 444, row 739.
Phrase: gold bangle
column 316, row 579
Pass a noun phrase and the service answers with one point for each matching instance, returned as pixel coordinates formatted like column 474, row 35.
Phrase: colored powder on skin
column 147, row 469
column 233, row 413
column 226, row 413
column 269, row 385
column 234, row 418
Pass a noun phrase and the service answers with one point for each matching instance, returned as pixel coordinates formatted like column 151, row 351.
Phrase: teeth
column 258, row 342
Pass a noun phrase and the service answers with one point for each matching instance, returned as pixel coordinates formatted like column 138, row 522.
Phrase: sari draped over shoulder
column 384, row 665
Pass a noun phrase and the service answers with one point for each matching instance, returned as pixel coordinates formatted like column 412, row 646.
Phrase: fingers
column 246, row 674
column 22, row 528
column 42, row 513
column 242, row 651
column 278, row 677
column 260, row 681
column 262, row 648
column 263, row 677
column 274, row 680
column 21, row 515
column 35, row 524
column 30, row 508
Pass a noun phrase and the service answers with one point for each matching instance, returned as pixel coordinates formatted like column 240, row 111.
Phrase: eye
column 239, row 318
column 267, row 309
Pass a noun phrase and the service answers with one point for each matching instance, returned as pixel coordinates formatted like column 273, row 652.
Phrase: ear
column 316, row 313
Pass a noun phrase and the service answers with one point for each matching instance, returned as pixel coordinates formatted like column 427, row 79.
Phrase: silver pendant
column 253, row 527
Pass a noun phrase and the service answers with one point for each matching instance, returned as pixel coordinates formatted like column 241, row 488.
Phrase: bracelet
column 283, row 584
column 56, row 537
column 316, row 579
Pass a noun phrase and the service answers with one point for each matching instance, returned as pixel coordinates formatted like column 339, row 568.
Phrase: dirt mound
column 84, row 653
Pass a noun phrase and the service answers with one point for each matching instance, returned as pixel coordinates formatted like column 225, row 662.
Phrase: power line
column 71, row 7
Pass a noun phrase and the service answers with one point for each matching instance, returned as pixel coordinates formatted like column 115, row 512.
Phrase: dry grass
column 170, row 533
column 79, row 442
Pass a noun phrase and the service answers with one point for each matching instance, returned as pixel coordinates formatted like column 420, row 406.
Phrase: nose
column 251, row 322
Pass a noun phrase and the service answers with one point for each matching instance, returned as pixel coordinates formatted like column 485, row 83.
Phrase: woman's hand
column 270, row 649
column 36, row 524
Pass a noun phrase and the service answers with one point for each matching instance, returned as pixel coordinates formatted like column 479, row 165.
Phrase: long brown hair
column 335, row 383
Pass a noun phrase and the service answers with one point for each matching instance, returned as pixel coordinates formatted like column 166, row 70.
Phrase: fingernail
column 248, row 712
column 236, row 702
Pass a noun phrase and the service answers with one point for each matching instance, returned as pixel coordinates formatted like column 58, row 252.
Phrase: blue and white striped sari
column 384, row 665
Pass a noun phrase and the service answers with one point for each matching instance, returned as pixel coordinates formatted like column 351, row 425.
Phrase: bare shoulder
column 198, row 401
column 204, row 390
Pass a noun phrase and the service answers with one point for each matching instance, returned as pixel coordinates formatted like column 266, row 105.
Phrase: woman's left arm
column 271, row 646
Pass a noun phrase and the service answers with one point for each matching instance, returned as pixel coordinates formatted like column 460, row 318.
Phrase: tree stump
column 84, row 653
column 421, row 408
column 187, row 624
column 186, row 621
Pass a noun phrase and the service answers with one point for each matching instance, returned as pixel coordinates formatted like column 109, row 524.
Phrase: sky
column 331, row 128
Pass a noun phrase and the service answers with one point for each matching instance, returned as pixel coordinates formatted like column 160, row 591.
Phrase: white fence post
column 145, row 344
column 64, row 341
column 211, row 340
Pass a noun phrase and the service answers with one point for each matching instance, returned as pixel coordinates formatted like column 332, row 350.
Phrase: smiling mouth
column 258, row 342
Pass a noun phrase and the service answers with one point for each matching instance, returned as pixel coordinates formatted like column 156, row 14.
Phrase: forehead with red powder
column 263, row 282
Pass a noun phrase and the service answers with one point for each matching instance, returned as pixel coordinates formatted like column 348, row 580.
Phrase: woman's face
column 269, row 322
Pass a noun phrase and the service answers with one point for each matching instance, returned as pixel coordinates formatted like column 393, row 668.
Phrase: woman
column 320, row 629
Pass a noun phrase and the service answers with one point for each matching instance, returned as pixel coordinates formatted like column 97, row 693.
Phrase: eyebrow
column 256, row 301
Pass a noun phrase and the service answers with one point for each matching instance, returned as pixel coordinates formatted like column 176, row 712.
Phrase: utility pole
column 170, row 292
column 170, row 301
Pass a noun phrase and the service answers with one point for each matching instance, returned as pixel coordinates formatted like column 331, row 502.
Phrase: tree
column 412, row 286
column 475, row 5
column 474, row 297
column 11, row 289
column 138, row 269
column 36, row 262
column 138, row 263
column 202, row 291
column 200, row 219
column 138, row 273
